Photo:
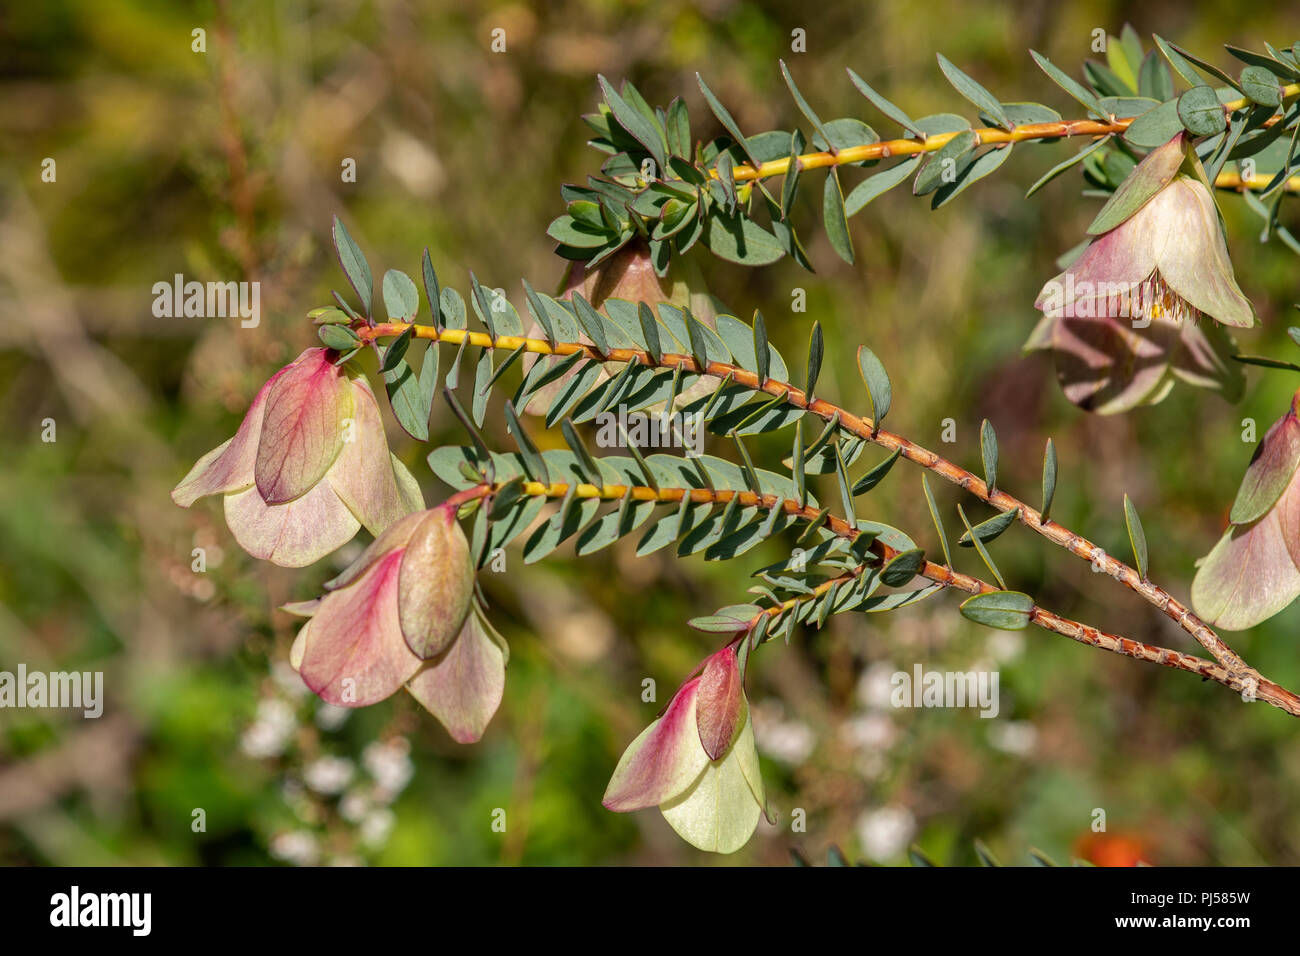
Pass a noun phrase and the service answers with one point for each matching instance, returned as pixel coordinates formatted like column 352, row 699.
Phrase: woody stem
column 866, row 429
column 1252, row 684
column 990, row 136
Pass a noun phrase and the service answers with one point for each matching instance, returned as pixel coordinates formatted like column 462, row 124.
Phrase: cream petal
column 663, row 760
column 354, row 654
column 229, row 466
column 436, row 583
column 294, row 534
column 363, row 473
column 1250, row 574
column 1193, row 259
column 303, row 427
column 720, row 811
column 463, row 687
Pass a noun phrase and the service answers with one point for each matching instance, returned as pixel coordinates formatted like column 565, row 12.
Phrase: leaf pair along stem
column 1228, row 668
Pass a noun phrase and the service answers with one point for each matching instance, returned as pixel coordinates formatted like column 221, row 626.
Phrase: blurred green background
column 225, row 165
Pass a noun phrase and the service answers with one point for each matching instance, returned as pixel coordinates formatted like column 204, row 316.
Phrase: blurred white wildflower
column 389, row 763
column 330, row 716
column 328, row 775
column 1017, row 737
column 875, row 686
column 270, row 731
column 376, row 827
column 298, row 847
column 886, row 832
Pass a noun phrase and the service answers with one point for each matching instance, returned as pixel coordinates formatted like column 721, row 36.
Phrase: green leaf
column 329, row 315
column 725, row 118
column 1136, row 537
column 836, row 217
column 1049, row 478
column 338, row 337
column 1154, row 127
column 886, row 107
column 1200, row 111
column 816, row 352
column 431, row 289
column 592, row 322
column 970, row 170
column 943, row 164
column 979, row 546
column 650, row 331
column 938, row 522
column 881, row 182
column 740, row 240
column 762, row 351
column 1081, row 93
column 986, row 531
column 1261, row 86
column 642, row 129
column 1005, row 610
column 733, row 619
column 395, row 352
column 902, row 568
column 879, row 390
column 401, row 297
column 802, row 103
column 877, row 474
column 983, row 100
column 989, row 454
column 1061, row 167
column 354, row 264
column 534, row 465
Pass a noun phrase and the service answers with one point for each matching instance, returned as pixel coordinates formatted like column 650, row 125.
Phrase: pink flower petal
column 363, row 472
column 354, row 653
column 1193, row 258
column 1271, row 470
column 228, row 467
column 302, row 431
column 663, row 761
column 292, row 535
column 395, row 536
column 463, row 686
column 1250, row 574
column 436, row 583
column 720, row 703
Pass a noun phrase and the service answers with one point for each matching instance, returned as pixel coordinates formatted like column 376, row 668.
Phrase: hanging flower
column 1123, row 320
column 697, row 762
column 402, row 615
column 1254, row 570
column 307, row 468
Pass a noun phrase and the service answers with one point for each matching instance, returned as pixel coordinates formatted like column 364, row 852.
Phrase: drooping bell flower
column 628, row 274
column 401, row 616
column 1254, row 570
column 697, row 762
column 1124, row 319
column 307, row 468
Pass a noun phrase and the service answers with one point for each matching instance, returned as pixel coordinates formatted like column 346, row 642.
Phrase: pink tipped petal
column 721, row 810
column 1156, row 171
column 291, row 535
column 301, row 608
column 228, row 467
column 436, row 583
column 303, row 428
column 1271, row 470
column 1193, row 260
column 363, row 472
column 463, row 687
column 720, row 702
column 395, row 537
column 355, row 654
column 1249, row 576
column 663, row 761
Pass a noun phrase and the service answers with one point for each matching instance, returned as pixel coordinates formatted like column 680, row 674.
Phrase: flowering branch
column 866, row 429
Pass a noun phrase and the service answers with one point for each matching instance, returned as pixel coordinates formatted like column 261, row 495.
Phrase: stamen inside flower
column 1155, row 299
